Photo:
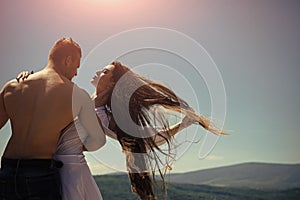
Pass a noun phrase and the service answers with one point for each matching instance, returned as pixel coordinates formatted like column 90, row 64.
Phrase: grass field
column 117, row 187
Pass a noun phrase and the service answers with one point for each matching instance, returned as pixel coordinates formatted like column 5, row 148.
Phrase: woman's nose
column 98, row 72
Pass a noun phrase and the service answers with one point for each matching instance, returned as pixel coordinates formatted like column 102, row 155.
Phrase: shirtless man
column 38, row 109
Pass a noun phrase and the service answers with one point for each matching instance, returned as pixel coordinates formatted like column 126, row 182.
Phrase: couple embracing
column 53, row 122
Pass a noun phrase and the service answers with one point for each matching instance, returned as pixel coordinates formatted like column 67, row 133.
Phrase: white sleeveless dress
column 77, row 180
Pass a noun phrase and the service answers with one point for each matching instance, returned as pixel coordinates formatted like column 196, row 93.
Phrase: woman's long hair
column 138, row 144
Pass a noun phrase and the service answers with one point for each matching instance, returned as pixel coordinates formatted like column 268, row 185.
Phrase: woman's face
column 103, row 78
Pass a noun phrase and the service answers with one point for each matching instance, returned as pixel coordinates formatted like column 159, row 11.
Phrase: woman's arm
column 160, row 138
column 100, row 99
column 101, row 113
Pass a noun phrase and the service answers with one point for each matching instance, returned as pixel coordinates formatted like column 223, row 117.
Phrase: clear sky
column 255, row 45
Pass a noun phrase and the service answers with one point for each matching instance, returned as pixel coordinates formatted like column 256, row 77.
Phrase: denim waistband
column 29, row 163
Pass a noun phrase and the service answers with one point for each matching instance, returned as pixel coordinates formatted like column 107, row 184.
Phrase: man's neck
column 58, row 69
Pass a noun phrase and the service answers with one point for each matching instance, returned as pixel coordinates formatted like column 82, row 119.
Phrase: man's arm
column 88, row 119
column 3, row 113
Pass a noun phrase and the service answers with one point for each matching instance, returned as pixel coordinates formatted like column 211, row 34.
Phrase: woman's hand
column 187, row 121
column 24, row 75
column 102, row 94
column 102, row 98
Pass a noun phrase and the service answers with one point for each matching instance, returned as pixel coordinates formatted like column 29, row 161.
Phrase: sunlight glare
column 110, row 2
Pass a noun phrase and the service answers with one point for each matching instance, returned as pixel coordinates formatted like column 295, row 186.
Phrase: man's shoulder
column 9, row 84
column 50, row 79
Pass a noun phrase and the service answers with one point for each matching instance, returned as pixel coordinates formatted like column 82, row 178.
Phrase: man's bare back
column 45, row 101
column 38, row 109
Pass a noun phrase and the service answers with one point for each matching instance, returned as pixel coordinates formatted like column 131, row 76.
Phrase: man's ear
column 68, row 60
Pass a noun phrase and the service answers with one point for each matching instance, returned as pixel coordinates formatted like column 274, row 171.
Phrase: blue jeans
column 29, row 182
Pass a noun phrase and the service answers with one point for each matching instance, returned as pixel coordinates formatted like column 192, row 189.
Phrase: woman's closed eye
column 101, row 71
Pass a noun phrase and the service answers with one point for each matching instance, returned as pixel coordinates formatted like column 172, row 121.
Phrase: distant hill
column 117, row 187
column 248, row 175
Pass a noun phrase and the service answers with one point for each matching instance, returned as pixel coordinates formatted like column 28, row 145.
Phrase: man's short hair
column 62, row 48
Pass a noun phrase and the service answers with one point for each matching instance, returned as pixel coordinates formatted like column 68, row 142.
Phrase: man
column 38, row 109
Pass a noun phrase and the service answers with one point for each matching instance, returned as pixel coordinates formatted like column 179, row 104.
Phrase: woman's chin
column 93, row 82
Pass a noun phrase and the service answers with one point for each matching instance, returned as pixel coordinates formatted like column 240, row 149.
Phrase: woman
column 119, row 92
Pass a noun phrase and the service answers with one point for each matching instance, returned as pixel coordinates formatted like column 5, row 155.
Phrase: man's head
column 65, row 55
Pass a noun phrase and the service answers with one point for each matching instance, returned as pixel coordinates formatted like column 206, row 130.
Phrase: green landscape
column 264, row 181
column 117, row 187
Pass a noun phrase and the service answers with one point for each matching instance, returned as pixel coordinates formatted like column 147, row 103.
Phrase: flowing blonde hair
column 140, row 149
